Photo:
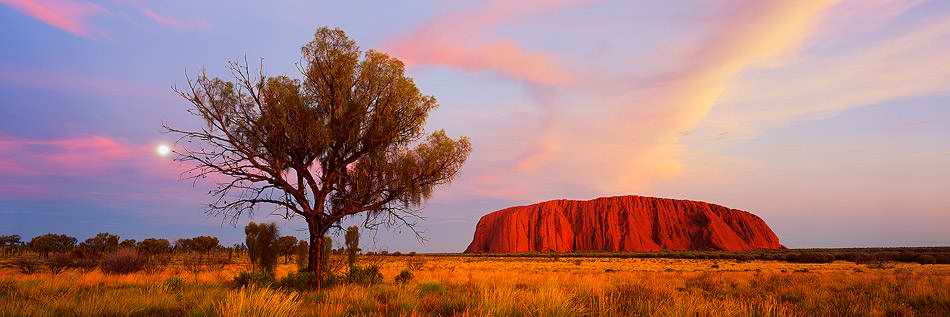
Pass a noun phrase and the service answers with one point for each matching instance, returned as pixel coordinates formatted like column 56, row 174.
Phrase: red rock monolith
column 621, row 223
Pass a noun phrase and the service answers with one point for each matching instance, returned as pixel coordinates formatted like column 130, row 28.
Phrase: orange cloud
column 457, row 39
column 67, row 15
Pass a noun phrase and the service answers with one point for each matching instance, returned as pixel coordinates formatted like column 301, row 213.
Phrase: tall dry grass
column 255, row 301
column 463, row 286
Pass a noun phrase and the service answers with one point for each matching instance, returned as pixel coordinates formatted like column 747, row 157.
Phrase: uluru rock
column 621, row 223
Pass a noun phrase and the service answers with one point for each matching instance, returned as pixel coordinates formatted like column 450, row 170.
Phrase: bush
column 59, row 262
column 300, row 281
column 926, row 259
column 124, row 261
column 431, row 288
column 157, row 263
column 404, row 277
column 27, row 264
column 253, row 278
column 174, row 283
column 364, row 275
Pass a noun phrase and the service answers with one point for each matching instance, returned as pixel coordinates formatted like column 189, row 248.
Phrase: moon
column 163, row 150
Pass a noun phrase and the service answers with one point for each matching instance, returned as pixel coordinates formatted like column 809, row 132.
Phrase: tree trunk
column 313, row 256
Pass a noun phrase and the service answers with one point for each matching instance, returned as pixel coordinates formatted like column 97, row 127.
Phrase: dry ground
column 497, row 286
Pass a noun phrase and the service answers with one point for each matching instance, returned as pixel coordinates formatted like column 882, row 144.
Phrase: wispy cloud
column 68, row 15
column 173, row 22
column 76, row 16
column 463, row 39
column 614, row 135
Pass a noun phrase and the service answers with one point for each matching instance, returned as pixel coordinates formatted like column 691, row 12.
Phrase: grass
column 505, row 286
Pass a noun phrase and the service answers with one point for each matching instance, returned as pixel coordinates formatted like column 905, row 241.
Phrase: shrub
column 352, row 240
column 261, row 240
column 431, row 288
column 174, row 283
column 59, row 262
column 245, row 279
column 926, row 259
column 299, row 281
column 48, row 243
column 364, row 275
column 157, row 263
column 123, row 262
column 258, row 301
column 302, row 249
column 404, row 277
column 27, row 264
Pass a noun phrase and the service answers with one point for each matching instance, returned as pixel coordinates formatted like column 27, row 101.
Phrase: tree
column 352, row 244
column 153, row 246
column 262, row 245
column 202, row 245
column 301, row 251
column 101, row 243
column 285, row 246
column 346, row 140
column 327, row 245
column 9, row 243
column 47, row 243
column 127, row 243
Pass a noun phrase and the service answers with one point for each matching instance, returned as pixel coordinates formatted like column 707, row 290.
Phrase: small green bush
column 364, row 275
column 299, row 281
column 431, row 288
column 404, row 277
column 174, row 283
column 252, row 278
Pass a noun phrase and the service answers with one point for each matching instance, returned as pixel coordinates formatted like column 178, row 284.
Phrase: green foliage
column 352, row 244
column 200, row 244
column 364, row 275
column 7, row 241
column 404, row 276
column 124, row 261
column 253, row 278
column 326, row 250
column 304, row 281
column 348, row 138
column 174, row 283
column 261, row 242
column 286, row 246
column 429, row 288
column 47, row 243
column 101, row 243
column 153, row 246
column 128, row 243
column 302, row 250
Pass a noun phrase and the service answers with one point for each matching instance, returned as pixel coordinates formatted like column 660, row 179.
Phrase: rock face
column 622, row 223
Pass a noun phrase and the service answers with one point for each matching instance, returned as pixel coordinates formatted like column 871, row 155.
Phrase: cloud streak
column 67, row 15
column 615, row 135
column 459, row 39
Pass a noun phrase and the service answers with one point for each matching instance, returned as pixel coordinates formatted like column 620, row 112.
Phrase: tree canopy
column 347, row 139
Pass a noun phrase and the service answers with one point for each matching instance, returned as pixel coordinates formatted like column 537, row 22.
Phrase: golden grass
column 468, row 286
column 255, row 301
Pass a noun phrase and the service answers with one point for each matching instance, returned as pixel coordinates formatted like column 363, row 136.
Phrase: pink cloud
column 457, row 40
column 80, row 156
column 67, row 15
column 616, row 132
column 173, row 22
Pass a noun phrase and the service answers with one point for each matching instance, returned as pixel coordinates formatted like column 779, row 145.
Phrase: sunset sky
column 828, row 119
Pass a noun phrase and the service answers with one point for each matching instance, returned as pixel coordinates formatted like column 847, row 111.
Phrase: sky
column 827, row 118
